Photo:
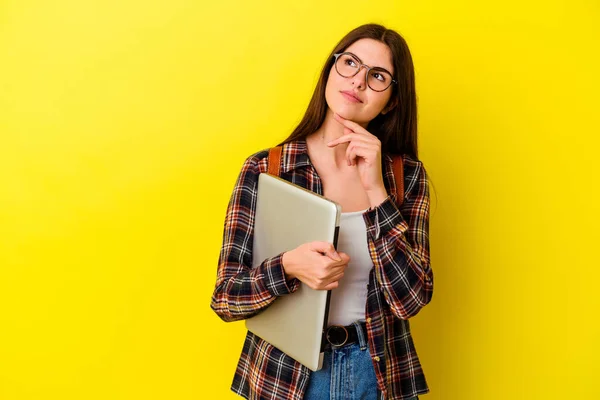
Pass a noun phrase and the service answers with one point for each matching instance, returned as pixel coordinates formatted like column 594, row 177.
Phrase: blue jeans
column 347, row 374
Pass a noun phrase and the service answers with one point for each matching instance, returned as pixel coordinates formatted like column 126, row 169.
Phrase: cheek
column 333, row 82
column 333, row 85
column 380, row 100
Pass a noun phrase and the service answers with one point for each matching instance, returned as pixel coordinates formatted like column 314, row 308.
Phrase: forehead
column 373, row 53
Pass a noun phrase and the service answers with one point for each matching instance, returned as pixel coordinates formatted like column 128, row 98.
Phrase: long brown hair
column 397, row 129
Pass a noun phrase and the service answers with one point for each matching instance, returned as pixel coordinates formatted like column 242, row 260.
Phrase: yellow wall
column 123, row 126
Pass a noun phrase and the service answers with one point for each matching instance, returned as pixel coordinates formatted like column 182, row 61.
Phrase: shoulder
column 256, row 163
column 289, row 155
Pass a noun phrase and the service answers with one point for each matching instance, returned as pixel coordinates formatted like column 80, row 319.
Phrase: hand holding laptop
column 317, row 264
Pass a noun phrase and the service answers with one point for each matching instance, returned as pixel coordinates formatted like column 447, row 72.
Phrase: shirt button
column 369, row 320
column 376, row 358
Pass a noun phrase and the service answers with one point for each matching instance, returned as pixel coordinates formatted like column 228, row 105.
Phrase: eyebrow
column 377, row 68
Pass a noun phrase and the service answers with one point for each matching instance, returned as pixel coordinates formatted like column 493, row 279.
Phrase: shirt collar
column 294, row 155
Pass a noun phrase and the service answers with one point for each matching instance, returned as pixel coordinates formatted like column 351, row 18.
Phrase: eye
column 379, row 76
column 349, row 61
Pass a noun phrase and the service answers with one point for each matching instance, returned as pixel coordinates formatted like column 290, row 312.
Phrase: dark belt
column 336, row 336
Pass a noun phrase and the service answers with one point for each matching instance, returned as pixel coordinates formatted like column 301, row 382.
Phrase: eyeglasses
column 348, row 65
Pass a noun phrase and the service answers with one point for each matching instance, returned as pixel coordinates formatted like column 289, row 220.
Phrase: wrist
column 377, row 195
column 285, row 262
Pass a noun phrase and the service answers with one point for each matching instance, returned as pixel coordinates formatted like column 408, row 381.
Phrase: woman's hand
column 317, row 264
column 364, row 151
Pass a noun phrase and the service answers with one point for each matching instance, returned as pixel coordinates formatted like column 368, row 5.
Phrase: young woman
column 362, row 112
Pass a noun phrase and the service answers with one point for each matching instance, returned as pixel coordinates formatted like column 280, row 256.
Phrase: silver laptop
column 287, row 216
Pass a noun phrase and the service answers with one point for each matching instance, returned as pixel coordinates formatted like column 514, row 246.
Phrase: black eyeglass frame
column 360, row 65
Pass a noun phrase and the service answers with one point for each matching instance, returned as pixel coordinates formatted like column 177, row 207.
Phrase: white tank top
column 349, row 299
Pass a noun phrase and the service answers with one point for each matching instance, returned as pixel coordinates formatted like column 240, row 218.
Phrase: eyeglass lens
column 348, row 66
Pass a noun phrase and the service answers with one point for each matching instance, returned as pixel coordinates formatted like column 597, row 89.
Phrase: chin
column 344, row 112
column 349, row 114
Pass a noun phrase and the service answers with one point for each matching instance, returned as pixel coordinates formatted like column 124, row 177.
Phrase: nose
column 360, row 79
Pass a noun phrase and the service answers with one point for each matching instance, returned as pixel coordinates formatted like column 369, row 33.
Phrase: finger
column 352, row 137
column 333, row 265
column 333, row 255
column 325, row 248
column 336, row 266
column 334, row 282
column 368, row 153
column 352, row 153
column 349, row 124
column 345, row 257
column 336, row 278
column 337, row 272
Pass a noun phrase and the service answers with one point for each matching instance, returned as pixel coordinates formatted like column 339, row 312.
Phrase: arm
column 400, row 249
column 242, row 291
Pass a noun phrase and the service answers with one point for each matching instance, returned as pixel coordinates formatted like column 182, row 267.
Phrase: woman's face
column 374, row 54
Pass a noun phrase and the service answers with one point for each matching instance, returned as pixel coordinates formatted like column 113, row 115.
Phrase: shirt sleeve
column 242, row 291
column 399, row 246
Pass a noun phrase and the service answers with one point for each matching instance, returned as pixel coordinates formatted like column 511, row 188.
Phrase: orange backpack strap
column 274, row 161
column 398, row 167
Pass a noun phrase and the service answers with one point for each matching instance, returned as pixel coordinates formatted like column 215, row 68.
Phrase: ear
column 390, row 106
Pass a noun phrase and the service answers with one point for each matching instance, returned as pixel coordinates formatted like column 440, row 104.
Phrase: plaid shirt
column 400, row 282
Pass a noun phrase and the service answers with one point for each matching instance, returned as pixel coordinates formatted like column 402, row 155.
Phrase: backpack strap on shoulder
column 274, row 161
column 398, row 168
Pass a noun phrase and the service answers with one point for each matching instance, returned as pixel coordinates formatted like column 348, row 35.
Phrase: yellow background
column 123, row 125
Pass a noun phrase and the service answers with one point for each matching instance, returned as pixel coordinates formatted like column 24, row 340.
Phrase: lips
column 346, row 92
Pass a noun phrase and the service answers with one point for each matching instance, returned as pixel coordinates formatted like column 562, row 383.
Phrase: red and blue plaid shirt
column 400, row 282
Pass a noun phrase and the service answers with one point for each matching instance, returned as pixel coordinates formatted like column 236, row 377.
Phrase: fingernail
column 337, row 256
